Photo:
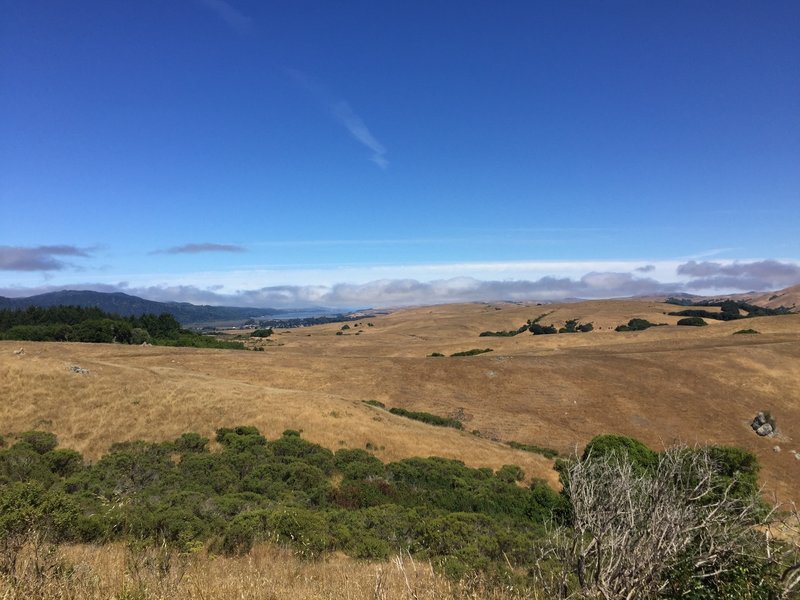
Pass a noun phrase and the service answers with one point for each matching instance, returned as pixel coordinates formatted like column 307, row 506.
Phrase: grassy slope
column 660, row 385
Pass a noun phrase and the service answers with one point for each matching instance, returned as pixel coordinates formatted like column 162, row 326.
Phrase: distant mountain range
column 184, row 312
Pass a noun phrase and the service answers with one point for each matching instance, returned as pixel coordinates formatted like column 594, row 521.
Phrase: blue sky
column 380, row 153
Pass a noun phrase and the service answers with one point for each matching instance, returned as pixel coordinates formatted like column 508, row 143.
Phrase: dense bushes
column 287, row 490
column 575, row 326
column 730, row 310
column 570, row 326
column 292, row 492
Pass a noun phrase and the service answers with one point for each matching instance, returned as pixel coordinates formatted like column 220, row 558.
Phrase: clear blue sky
column 359, row 153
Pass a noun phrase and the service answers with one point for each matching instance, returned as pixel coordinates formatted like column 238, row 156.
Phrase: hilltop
column 127, row 305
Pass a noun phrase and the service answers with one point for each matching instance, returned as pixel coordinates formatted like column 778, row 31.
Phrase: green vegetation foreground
column 682, row 523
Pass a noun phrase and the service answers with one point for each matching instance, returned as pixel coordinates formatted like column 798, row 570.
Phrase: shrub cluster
column 730, row 310
column 511, row 333
column 636, row 325
column 428, row 418
column 286, row 490
column 296, row 493
column 570, row 326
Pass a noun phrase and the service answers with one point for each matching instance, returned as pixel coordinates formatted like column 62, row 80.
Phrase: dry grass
column 698, row 385
column 267, row 572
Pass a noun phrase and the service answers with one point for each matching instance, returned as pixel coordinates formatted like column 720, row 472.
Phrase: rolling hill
column 664, row 384
column 127, row 305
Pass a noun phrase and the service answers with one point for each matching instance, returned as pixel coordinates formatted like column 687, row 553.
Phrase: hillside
column 127, row 305
column 699, row 385
column 788, row 297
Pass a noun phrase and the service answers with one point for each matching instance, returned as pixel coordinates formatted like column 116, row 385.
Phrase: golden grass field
column 666, row 384
column 267, row 572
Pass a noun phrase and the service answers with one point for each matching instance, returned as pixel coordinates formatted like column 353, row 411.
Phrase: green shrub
column 510, row 474
column 140, row 336
column 707, row 314
column 354, row 494
column 428, row 418
column 261, row 333
column 358, row 464
column 240, row 437
column 511, row 333
column 39, row 441
column 546, row 504
column 435, row 354
column 546, row 452
column 191, row 442
column 64, row 462
column 632, row 449
column 635, row 325
column 22, row 463
column 27, row 508
column 737, row 469
column 291, row 445
column 207, row 471
column 472, row 352
column 375, row 403
column 745, row 331
column 537, row 329
column 692, row 322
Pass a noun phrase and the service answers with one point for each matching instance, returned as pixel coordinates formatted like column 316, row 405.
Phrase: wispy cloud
column 345, row 115
column 237, row 20
column 358, row 129
column 199, row 248
column 37, row 258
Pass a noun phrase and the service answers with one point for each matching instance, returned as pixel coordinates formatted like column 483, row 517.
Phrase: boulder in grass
column 765, row 430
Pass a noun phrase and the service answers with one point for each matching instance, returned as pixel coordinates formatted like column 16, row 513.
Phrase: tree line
column 90, row 324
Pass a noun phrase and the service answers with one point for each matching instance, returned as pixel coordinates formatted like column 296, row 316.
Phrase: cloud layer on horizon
column 704, row 277
column 745, row 276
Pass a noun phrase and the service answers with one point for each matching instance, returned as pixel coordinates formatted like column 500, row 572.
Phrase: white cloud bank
column 695, row 277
